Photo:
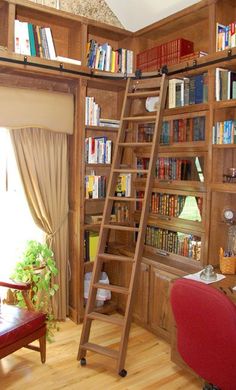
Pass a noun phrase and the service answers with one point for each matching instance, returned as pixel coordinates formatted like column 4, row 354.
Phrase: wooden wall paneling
column 76, row 194
column 225, row 11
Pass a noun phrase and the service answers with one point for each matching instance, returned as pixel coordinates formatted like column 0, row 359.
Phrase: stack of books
column 225, row 36
column 95, row 186
column 98, row 150
column 34, row 40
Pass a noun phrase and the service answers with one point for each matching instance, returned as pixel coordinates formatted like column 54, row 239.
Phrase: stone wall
column 93, row 9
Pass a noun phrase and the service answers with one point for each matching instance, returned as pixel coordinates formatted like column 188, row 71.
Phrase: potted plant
column 38, row 267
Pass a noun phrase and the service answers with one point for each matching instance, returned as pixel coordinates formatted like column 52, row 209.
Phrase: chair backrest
column 206, row 331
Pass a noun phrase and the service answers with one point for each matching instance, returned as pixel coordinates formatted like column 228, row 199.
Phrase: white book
column 17, row 34
column 127, row 178
column 129, row 59
column 68, row 60
column 95, row 186
column 24, row 39
column 107, row 66
column 108, row 151
column 51, row 47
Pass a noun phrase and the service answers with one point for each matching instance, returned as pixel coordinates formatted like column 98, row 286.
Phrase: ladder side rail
column 143, row 223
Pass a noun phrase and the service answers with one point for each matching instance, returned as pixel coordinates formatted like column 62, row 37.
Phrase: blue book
column 198, row 88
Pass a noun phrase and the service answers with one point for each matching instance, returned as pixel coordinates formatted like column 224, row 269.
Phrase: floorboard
column 148, row 364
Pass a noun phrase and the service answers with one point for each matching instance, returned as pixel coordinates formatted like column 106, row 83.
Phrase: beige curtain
column 42, row 160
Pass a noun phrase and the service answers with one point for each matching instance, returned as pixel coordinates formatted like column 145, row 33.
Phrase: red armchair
column 20, row 327
column 206, row 332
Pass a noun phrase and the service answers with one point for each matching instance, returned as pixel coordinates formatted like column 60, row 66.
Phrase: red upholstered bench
column 20, row 327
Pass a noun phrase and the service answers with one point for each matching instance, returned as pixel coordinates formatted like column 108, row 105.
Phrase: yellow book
column 93, row 245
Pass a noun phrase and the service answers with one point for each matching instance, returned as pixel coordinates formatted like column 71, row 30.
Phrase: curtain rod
column 137, row 75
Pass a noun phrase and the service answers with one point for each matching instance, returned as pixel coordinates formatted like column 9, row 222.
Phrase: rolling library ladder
column 136, row 89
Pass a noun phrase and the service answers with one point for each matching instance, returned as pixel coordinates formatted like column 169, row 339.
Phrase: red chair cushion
column 206, row 331
column 16, row 323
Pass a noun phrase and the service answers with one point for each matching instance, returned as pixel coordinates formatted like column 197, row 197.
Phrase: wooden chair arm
column 15, row 285
column 20, row 286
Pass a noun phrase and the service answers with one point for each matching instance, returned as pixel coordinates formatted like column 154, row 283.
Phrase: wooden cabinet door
column 159, row 305
column 140, row 312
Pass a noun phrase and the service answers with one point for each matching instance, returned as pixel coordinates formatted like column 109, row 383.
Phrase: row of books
column 172, row 168
column 145, row 132
column 168, row 53
column 225, row 36
column 178, row 130
column 174, row 242
column 123, row 186
column 188, row 90
column 225, row 84
column 224, row 132
column 98, row 150
column 34, row 40
column 95, row 186
column 169, row 168
column 183, row 130
column 121, row 213
column 163, row 204
column 92, row 111
column 170, row 205
column 104, row 57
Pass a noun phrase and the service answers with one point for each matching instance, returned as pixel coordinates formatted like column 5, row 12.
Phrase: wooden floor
column 148, row 364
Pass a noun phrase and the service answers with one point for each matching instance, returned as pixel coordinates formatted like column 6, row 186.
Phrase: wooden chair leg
column 42, row 347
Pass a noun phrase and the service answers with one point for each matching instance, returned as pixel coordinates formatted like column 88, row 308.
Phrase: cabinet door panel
column 140, row 312
column 160, row 311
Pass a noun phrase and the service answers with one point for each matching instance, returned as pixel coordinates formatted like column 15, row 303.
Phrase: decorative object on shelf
column 38, row 268
column 230, row 176
column 208, row 273
column 228, row 215
column 227, row 262
column 152, row 103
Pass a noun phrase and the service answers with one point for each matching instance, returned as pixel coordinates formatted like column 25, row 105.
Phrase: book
column 123, row 186
column 31, row 39
column 51, row 46
column 17, row 35
column 90, row 245
column 22, row 41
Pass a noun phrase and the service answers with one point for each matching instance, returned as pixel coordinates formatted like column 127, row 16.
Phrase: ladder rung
column 135, row 144
column 110, row 256
column 119, row 227
column 143, row 94
column 106, row 318
column 145, row 118
column 125, row 199
column 112, row 287
column 131, row 170
column 99, row 349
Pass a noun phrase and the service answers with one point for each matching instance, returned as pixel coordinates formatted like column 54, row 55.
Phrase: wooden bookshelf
column 71, row 34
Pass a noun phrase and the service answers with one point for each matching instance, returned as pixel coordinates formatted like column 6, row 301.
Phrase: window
column 16, row 223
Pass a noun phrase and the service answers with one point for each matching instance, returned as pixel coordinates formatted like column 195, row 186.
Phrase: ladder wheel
column 83, row 362
column 123, row 373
